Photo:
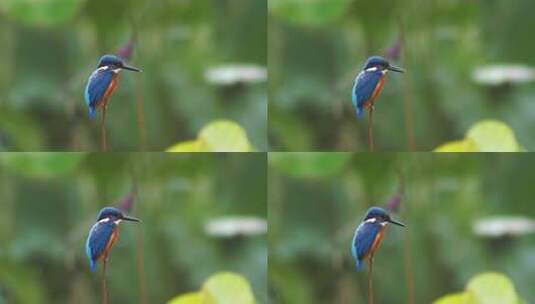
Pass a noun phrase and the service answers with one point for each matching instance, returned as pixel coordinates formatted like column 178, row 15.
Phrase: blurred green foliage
column 45, row 12
column 311, row 12
column 310, row 165
column 48, row 202
column 312, row 218
column 42, row 164
column 316, row 48
column 50, row 47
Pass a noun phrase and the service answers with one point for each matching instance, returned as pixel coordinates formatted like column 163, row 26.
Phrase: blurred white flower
column 495, row 75
column 231, row 226
column 232, row 74
column 503, row 225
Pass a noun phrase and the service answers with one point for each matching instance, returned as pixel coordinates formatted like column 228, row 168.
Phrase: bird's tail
column 358, row 265
column 92, row 112
column 359, row 111
column 92, row 265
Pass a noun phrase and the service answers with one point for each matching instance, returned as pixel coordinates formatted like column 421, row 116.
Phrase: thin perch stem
column 370, row 129
column 104, row 283
column 103, row 135
column 370, row 281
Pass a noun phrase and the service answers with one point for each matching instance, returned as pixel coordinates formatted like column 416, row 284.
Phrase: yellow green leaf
column 224, row 136
column 188, row 146
column 485, row 288
column 485, row 136
column 456, row 298
column 188, row 298
column 493, row 136
column 227, row 288
column 492, row 288
column 217, row 136
column 466, row 145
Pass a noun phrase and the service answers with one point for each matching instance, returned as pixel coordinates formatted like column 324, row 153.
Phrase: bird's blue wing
column 97, row 84
column 363, row 88
column 363, row 241
column 97, row 240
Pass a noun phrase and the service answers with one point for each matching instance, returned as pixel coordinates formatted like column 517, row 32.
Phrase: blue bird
column 103, row 235
column 369, row 234
column 369, row 82
column 103, row 81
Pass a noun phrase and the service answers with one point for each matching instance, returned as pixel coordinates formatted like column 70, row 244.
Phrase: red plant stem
column 408, row 115
column 139, row 245
column 370, row 281
column 407, row 96
column 370, row 129
column 140, row 116
column 103, row 135
column 104, row 283
column 407, row 257
column 141, row 269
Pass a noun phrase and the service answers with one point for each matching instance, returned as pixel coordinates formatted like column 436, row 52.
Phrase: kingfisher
column 103, row 81
column 369, row 234
column 103, row 234
column 369, row 82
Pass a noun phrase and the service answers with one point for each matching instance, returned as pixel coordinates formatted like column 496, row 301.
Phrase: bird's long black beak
column 396, row 223
column 396, row 69
column 131, row 68
column 131, row 219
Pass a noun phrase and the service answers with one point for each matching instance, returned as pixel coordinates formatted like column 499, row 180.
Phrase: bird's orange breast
column 377, row 241
column 375, row 93
column 109, row 91
column 113, row 239
column 378, row 88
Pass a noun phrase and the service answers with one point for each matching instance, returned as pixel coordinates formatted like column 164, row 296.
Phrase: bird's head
column 380, row 216
column 115, row 63
column 114, row 214
column 381, row 64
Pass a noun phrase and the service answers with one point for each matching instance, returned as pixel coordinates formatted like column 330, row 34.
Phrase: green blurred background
column 316, row 200
column 50, row 47
column 316, row 48
column 48, row 203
